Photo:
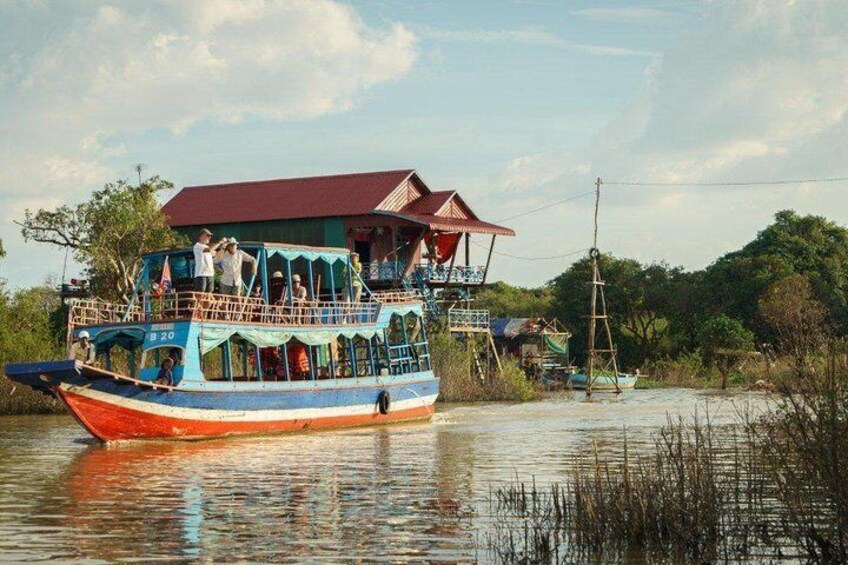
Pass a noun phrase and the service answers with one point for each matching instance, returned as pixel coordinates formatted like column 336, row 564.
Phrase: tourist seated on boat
column 256, row 307
column 204, row 261
column 83, row 350
column 298, row 361
column 175, row 355
column 299, row 297
column 165, row 376
column 277, row 288
column 230, row 260
column 299, row 293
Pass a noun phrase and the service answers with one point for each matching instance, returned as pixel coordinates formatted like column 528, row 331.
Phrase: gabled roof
column 283, row 199
column 399, row 193
column 429, row 203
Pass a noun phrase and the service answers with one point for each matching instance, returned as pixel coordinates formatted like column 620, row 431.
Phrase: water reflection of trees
column 398, row 492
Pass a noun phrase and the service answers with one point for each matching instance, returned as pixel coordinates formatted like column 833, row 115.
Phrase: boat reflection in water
column 350, row 495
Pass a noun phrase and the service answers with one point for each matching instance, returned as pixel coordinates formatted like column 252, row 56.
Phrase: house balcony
column 392, row 271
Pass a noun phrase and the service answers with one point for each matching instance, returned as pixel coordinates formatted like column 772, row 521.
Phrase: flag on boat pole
column 165, row 281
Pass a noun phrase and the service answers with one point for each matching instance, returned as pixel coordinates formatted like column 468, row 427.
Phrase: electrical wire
column 741, row 183
column 522, row 258
column 546, row 206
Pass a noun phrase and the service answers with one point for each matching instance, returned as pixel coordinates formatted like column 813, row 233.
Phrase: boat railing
column 462, row 320
column 461, row 274
column 395, row 296
column 94, row 311
column 224, row 308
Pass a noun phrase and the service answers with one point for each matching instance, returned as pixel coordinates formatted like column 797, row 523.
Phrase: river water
column 406, row 493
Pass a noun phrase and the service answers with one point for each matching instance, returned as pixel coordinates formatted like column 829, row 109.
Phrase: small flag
column 165, row 281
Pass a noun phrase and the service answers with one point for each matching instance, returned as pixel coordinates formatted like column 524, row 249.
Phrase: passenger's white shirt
column 203, row 261
column 231, row 266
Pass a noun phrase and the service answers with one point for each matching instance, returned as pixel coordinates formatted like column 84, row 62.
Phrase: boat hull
column 579, row 381
column 113, row 409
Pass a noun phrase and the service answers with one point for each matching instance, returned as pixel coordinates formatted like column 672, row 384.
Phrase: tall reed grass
column 774, row 486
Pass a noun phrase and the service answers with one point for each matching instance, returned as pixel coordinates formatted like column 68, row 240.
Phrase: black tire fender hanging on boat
column 384, row 401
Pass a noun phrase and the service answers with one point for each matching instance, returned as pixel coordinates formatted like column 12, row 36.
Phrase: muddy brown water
column 405, row 493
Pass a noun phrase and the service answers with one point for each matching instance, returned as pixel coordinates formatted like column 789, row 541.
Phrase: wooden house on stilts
column 408, row 236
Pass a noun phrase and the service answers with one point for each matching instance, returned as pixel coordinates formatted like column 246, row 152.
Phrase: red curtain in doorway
column 444, row 244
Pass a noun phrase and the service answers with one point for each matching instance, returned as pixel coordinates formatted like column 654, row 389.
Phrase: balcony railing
column 393, row 271
column 459, row 274
column 222, row 308
column 382, row 271
column 468, row 320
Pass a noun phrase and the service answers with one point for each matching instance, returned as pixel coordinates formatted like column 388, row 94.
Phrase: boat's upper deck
column 237, row 310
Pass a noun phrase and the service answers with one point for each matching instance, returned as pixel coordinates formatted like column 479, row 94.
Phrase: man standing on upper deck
column 231, row 261
column 204, row 264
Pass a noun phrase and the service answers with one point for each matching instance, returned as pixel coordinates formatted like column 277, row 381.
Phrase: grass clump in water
column 453, row 362
column 679, row 504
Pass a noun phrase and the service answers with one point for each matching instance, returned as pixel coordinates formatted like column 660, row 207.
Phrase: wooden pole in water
column 593, row 314
column 598, row 288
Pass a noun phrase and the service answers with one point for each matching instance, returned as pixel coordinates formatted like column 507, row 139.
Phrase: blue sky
column 515, row 104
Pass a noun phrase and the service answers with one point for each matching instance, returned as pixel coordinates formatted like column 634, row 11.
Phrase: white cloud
column 527, row 36
column 759, row 92
column 75, row 77
column 626, row 14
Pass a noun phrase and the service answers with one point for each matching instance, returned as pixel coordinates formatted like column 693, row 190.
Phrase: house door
column 364, row 250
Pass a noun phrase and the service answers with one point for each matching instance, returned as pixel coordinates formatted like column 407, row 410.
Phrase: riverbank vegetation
column 773, row 487
column 745, row 316
column 31, row 328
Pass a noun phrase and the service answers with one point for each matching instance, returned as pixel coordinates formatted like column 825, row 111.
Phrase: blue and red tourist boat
column 260, row 363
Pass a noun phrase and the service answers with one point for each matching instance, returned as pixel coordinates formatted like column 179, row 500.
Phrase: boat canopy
column 285, row 250
column 127, row 337
column 210, row 338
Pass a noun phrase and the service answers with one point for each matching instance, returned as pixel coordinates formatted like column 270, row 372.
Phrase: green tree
column 796, row 316
column 636, row 301
column 503, row 300
column 811, row 246
column 725, row 342
column 109, row 232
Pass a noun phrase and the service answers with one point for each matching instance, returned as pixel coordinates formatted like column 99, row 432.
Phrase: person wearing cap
column 204, row 261
column 83, row 350
column 298, row 291
column 298, row 298
column 231, row 260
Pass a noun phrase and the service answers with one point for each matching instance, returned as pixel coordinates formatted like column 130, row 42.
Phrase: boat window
column 153, row 358
column 121, row 360
column 212, row 364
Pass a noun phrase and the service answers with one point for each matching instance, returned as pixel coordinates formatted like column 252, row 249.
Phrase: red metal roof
column 355, row 194
column 453, row 224
column 283, row 199
column 429, row 203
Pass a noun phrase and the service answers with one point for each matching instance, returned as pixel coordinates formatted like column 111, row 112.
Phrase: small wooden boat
column 603, row 382
column 243, row 365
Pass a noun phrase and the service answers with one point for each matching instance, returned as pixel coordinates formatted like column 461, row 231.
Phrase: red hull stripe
column 110, row 422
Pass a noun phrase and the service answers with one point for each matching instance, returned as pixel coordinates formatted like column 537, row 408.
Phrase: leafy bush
column 453, row 362
column 27, row 332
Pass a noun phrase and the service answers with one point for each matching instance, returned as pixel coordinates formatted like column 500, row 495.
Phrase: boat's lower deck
column 109, row 419
column 112, row 407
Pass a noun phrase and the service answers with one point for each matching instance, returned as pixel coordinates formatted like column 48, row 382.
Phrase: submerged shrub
column 453, row 362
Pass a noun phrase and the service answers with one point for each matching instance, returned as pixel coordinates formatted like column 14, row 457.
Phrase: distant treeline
column 785, row 291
